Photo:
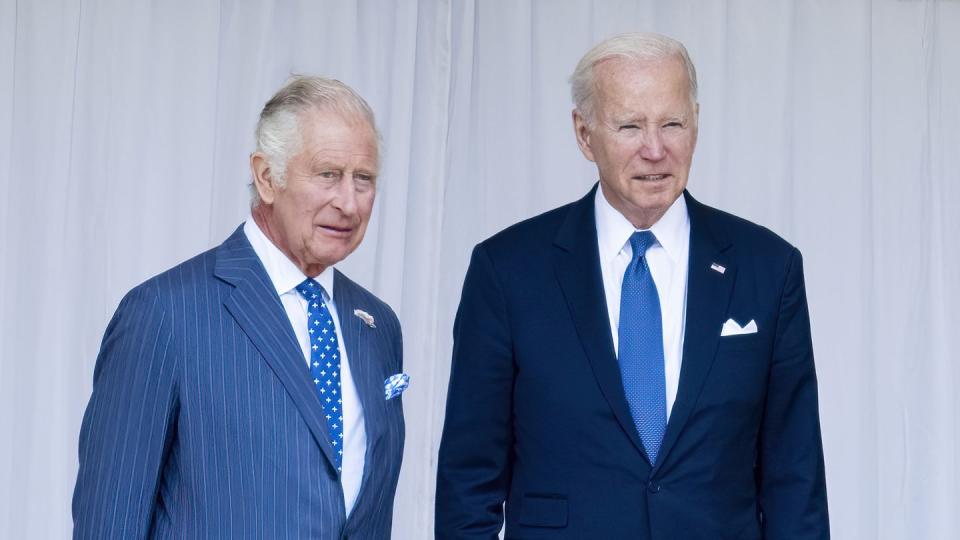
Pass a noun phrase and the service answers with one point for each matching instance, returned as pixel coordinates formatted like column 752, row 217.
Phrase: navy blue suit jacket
column 204, row 422
column 537, row 418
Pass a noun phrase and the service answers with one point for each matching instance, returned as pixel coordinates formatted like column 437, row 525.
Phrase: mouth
column 651, row 177
column 336, row 230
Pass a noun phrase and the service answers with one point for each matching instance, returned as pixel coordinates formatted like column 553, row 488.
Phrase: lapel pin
column 717, row 268
column 365, row 317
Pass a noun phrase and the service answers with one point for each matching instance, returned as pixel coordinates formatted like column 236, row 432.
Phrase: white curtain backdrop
column 125, row 129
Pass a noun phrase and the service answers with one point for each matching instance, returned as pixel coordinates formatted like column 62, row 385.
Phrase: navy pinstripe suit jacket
column 204, row 423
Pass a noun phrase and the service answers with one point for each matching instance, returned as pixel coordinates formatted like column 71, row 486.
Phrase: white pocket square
column 731, row 328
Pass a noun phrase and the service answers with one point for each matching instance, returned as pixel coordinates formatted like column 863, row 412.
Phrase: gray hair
column 635, row 46
column 278, row 130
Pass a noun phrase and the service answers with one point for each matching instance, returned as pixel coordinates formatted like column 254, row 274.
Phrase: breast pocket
column 743, row 342
column 738, row 376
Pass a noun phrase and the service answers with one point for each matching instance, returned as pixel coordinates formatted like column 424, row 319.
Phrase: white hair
column 634, row 46
column 278, row 130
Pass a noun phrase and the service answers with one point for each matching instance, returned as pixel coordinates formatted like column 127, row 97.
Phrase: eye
column 629, row 126
column 329, row 174
column 673, row 125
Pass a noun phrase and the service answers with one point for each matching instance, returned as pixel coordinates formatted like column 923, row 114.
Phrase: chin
column 650, row 198
column 665, row 195
column 333, row 256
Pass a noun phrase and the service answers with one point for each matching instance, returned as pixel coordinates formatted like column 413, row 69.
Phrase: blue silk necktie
column 641, row 347
column 325, row 362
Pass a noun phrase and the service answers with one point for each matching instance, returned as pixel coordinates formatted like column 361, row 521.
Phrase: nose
column 345, row 199
column 651, row 148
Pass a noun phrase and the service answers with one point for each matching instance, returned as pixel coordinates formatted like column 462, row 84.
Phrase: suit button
column 653, row 487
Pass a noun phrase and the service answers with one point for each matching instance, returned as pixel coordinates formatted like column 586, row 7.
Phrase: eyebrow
column 322, row 164
column 626, row 120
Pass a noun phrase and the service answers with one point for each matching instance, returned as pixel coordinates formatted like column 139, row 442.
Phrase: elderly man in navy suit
column 634, row 365
column 253, row 391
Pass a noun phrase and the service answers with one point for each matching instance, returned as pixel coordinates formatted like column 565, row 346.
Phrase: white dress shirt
column 285, row 277
column 667, row 259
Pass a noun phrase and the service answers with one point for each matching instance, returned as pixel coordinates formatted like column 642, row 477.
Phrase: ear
column 696, row 123
column 263, row 177
column 582, row 131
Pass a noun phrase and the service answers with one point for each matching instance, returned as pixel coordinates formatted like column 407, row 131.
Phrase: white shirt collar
column 284, row 275
column 614, row 230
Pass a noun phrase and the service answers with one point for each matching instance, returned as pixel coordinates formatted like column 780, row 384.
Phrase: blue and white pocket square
column 731, row 328
column 395, row 385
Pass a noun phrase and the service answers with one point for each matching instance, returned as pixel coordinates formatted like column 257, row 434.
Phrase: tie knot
column 310, row 289
column 640, row 242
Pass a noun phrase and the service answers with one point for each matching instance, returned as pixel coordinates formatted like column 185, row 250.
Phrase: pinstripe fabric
column 203, row 422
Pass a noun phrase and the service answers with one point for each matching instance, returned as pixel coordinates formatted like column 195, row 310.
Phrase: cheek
column 612, row 157
column 628, row 162
column 365, row 205
column 683, row 146
column 297, row 203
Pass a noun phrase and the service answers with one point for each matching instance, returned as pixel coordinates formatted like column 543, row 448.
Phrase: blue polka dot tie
column 325, row 362
column 641, row 347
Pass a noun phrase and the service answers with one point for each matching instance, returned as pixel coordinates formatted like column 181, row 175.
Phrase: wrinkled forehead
column 331, row 114
column 629, row 82
column 326, row 125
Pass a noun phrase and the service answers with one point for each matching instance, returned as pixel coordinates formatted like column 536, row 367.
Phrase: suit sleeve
column 128, row 425
column 793, row 494
column 473, row 473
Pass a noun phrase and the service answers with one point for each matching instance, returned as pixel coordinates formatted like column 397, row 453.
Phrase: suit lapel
column 256, row 307
column 364, row 370
column 708, row 296
column 577, row 264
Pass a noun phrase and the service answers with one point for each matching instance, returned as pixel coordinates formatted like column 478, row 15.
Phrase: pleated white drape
column 125, row 129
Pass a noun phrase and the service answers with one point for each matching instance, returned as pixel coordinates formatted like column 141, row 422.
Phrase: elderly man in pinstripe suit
column 253, row 391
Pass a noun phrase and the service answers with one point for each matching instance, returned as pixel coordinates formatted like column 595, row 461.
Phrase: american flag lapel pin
column 718, row 268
